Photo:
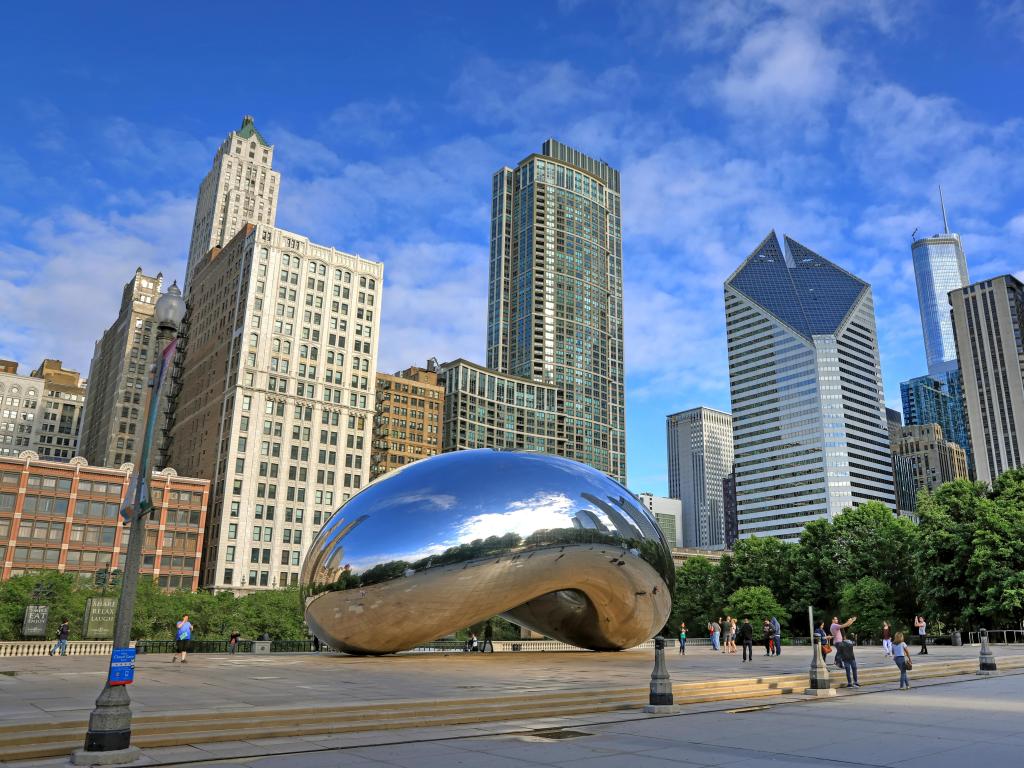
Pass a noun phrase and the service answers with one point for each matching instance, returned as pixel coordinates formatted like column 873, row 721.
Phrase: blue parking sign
column 122, row 666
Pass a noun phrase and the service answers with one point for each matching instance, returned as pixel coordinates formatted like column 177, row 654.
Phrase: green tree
column 871, row 601
column 697, row 596
column 949, row 518
column 996, row 565
column 756, row 604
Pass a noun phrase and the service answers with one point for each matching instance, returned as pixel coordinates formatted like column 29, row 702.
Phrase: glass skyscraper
column 939, row 267
column 555, row 293
column 809, row 425
column 928, row 400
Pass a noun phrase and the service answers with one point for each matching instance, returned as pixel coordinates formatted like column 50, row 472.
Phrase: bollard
column 661, row 701
column 820, row 679
column 986, row 659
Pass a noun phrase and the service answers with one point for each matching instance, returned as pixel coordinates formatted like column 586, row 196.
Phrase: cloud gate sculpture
column 548, row 543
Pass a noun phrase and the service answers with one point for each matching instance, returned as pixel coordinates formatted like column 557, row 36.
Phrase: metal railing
column 999, row 636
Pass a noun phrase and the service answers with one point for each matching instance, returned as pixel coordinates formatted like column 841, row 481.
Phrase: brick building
column 407, row 427
column 64, row 516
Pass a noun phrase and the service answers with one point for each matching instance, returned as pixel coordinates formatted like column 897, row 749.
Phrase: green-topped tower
column 241, row 188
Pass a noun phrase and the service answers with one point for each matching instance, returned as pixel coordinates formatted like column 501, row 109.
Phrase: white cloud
column 782, row 75
column 53, row 307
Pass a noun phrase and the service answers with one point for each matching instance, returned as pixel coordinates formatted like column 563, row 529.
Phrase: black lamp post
column 110, row 724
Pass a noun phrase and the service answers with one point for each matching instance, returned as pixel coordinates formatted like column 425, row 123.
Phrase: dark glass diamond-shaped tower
column 809, row 426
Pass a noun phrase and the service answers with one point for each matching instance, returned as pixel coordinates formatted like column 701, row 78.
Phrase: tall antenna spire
column 945, row 224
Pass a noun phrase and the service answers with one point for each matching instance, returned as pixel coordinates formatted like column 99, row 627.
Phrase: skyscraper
column 59, row 423
column 700, row 456
column 240, row 188
column 934, row 460
column 927, row 400
column 988, row 322
column 809, row 423
column 939, row 267
column 274, row 400
column 555, row 293
column 115, row 407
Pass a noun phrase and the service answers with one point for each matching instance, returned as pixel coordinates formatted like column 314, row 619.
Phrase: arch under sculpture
column 551, row 544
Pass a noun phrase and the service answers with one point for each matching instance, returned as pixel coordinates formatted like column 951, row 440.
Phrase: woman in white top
column 900, row 652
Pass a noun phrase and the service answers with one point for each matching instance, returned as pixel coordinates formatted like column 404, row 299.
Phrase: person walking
column 488, row 638
column 777, row 635
column 901, row 655
column 844, row 653
column 715, row 629
column 62, row 639
column 184, row 638
column 746, row 633
column 233, row 642
column 922, row 627
column 836, row 630
column 886, row 638
column 682, row 638
column 766, row 633
column 732, row 635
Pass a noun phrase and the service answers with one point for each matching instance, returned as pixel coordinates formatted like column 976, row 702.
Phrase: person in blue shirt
column 183, row 638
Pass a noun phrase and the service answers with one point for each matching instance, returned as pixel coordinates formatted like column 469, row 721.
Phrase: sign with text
column 100, row 613
column 34, row 624
column 122, row 666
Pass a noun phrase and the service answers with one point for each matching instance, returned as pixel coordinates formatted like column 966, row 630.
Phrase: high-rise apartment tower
column 988, row 321
column 555, row 293
column 700, row 457
column 809, row 423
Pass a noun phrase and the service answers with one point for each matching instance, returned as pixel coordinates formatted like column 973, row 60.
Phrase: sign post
column 100, row 613
column 122, row 667
column 34, row 623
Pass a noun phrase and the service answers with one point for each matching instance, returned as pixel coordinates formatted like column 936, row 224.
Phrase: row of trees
column 962, row 567
column 277, row 612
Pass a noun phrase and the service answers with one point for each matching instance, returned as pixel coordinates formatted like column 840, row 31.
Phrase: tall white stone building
column 241, row 187
column 275, row 400
column 809, row 422
column 700, row 456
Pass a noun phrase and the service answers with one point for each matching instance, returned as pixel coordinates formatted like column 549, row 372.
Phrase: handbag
column 907, row 663
column 826, row 649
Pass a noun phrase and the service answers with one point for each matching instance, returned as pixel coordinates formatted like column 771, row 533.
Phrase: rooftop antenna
column 945, row 224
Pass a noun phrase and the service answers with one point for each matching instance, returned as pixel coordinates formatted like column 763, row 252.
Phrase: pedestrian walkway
column 463, row 690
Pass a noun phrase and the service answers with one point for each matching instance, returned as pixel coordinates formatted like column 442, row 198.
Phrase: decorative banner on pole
column 100, row 613
column 122, row 666
column 34, row 623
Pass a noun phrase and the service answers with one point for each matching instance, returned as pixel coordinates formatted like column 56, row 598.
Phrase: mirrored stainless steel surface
column 551, row 544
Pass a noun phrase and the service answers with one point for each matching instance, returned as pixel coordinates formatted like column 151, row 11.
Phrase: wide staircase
column 25, row 741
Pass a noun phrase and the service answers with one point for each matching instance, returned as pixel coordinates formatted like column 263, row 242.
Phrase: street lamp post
column 108, row 740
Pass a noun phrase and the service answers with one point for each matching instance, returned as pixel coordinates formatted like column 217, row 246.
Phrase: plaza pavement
column 64, row 689
column 36, row 689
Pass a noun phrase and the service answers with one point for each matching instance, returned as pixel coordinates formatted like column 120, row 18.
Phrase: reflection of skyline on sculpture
column 506, row 528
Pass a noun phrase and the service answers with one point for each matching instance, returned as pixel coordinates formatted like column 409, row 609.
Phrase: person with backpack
column 183, row 638
column 62, row 639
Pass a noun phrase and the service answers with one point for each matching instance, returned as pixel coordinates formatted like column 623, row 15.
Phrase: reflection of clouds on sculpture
column 454, row 539
column 548, row 510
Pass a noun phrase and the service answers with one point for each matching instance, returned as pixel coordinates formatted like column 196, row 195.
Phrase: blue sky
column 830, row 121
